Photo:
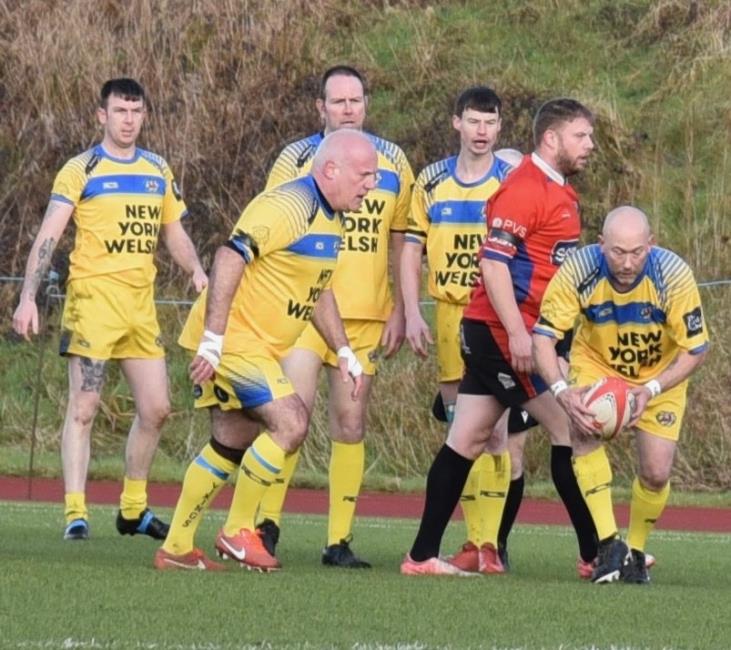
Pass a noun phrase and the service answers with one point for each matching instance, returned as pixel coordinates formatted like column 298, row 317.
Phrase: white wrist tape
column 354, row 367
column 210, row 347
column 559, row 387
column 654, row 387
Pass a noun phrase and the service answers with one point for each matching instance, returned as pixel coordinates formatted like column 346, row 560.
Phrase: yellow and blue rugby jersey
column 289, row 238
column 636, row 333
column 119, row 208
column 449, row 217
column 360, row 282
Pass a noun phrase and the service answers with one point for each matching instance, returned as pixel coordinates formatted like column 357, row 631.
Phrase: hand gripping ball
column 612, row 404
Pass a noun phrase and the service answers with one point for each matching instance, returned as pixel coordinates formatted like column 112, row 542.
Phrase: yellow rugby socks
column 594, row 476
column 272, row 504
column 494, row 485
column 645, row 509
column 75, row 506
column 469, row 500
column 205, row 477
column 261, row 465
column 133, row 499
column 347, row 462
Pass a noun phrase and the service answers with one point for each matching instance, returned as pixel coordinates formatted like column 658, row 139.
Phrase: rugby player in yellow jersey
column 121, row 198
column 448, row 218
column 639, row 317
column 268, row 281
column 373, row 320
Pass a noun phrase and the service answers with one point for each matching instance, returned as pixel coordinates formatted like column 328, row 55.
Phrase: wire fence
column 53, row 291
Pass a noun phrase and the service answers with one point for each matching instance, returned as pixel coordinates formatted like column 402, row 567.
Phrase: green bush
column 231, row 82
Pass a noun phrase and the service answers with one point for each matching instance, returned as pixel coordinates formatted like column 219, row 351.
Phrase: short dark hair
column 341, row 70
column 555, row 111
column 128, row 89
column 478, row 98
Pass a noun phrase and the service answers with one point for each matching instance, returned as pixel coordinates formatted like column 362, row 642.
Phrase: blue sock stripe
column 218, row 473
column 142, row 528
column 263, row 462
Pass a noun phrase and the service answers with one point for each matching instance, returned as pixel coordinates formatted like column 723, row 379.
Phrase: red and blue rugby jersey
column 532, row 224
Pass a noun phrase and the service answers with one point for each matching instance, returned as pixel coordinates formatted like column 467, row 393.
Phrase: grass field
column 104, row 594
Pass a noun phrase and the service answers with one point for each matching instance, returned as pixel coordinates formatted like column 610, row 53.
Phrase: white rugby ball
column 612, row 404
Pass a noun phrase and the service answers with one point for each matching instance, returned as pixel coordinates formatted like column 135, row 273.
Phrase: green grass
column 104, row 594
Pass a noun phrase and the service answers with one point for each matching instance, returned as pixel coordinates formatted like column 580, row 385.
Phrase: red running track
column 532, row 511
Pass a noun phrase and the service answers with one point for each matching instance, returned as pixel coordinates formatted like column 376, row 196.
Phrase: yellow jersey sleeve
column 400, row 221
column 271, row 222
column 173, row 206
column 70, row 180
column 684, row 312
column 418, row 222
column 560, row 306
column 294, row 161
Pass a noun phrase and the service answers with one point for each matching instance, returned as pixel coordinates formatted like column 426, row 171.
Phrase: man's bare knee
column 83, row 407
column 654, row 478
column 154, row 416
column 287, row 422
column 349, row 428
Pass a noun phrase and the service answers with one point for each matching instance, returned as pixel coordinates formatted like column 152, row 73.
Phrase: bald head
column 345, row 167
column 338, row 145
column 626, row 241
column 626, row 219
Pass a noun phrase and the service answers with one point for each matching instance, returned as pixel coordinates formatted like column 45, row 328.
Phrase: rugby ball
column 612, row 404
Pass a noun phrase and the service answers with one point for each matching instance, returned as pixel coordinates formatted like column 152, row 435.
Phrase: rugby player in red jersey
column 533, row 223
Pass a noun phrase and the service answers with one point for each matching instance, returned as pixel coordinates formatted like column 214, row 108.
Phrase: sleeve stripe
column 544, row 332
column 699, row 349
column 489, row 254
column 62, row 199
column 241, row 251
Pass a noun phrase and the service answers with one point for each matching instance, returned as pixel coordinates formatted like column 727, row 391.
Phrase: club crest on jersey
column 561, row 250
column 665, row 418
column 260, row 234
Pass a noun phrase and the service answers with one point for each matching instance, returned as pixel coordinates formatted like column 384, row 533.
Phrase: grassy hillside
column 231, row 82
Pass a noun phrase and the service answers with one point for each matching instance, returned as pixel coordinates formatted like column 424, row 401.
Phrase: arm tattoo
column 45, row 252
column 92, row 375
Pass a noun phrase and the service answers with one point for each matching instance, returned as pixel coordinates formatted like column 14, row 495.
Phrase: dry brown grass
column 231, row 80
